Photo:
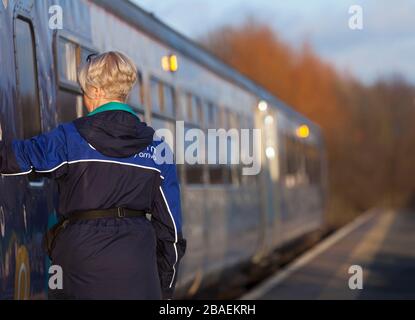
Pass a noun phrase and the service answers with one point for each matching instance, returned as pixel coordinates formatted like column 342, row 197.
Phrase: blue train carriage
column 230, row 220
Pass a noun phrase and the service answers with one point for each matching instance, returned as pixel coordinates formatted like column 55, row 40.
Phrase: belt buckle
column 120, row 213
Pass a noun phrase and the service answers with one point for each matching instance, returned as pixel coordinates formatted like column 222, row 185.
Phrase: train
column 230, row 220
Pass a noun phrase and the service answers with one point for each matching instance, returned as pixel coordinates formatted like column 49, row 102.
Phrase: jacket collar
column 115, row 133
column 111, row 106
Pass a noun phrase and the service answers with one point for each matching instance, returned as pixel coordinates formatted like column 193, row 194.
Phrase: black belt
column 107, row 213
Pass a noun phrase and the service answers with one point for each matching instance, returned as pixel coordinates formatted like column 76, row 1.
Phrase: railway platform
column 371, row 258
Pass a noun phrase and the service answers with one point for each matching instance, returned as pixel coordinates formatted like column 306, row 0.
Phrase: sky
column 385, row 45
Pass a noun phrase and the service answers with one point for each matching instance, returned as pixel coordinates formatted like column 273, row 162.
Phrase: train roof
column 150, row 24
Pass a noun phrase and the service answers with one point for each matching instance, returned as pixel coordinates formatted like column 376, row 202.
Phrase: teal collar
column 111, row 106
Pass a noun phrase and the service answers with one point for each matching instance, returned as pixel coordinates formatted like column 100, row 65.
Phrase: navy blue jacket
column 107, row 160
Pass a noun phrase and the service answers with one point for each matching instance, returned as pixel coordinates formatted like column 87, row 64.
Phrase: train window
column 250, row 122
column 28, row 103
column 197, row 112
column 246, row 123
column 70, row 106
column 316, row 176
column 292, row 164
column 313, row 167
column 194, row 172
column 211, row 115
column 68, row 60
column 216, row 174
column 228, row 124
column 243, row 121
column 70, row 55
column 240, row 119
column 162, row 98
column 193, row 110
column 183, row 114
column 140, row 82
column 235, row 120
column 169, row 103
column 216, row 171
column 231, row 120
column 156, row 95
column 247, row 180
column 296, row 163
column 189, row 107
column 136, row 98
column 233, row 123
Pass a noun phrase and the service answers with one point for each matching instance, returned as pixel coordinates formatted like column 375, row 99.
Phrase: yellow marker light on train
column 170, row 63
column 165, row 64
column 303, row 131
column 174, row 63
column 262, row 106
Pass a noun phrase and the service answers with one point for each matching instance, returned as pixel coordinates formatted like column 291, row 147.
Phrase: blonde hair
column 113, row 72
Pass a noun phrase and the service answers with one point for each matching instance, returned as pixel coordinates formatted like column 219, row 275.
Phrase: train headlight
column 262, row 106
column 303, row 131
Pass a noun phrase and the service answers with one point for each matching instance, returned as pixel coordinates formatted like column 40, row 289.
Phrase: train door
column 31, row 202
column 266, row 120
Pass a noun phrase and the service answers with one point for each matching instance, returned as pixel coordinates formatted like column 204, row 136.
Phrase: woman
column 108, row 180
